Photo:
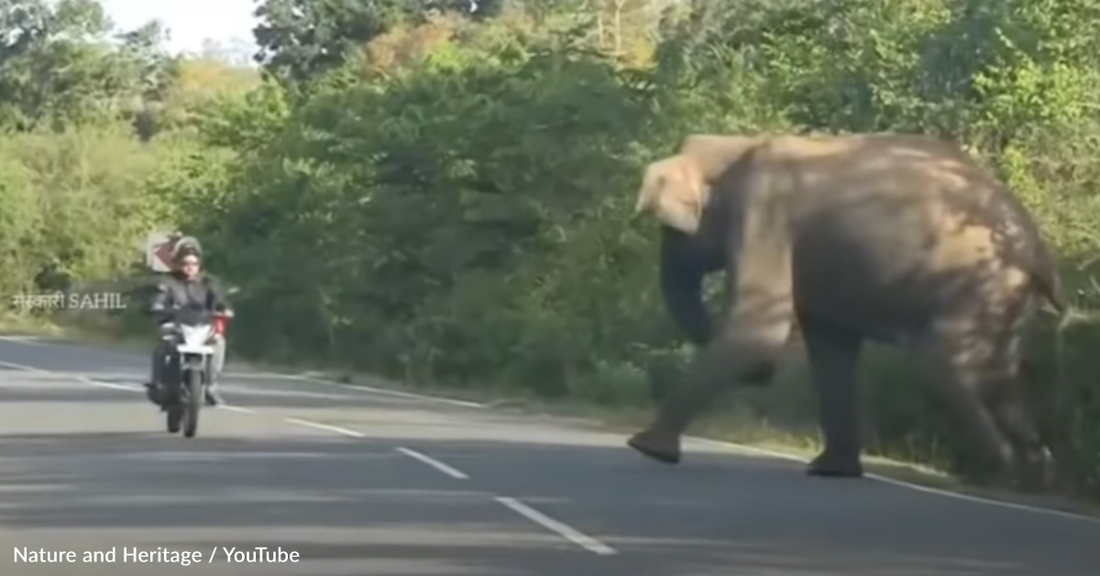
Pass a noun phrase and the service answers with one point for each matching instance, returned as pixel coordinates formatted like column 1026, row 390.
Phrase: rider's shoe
column 153, row 393
column 213, row 398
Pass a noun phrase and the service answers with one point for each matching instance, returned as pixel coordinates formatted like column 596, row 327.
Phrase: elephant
column 899, row 239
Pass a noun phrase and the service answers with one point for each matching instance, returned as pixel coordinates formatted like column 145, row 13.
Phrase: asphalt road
column 362, row 483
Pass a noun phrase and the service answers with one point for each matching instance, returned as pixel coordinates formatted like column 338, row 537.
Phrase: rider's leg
column 152, row 390
column 155, row 388
column 217, row 364
column 154, row 364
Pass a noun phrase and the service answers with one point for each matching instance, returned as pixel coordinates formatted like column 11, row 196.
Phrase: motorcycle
column 190, row 366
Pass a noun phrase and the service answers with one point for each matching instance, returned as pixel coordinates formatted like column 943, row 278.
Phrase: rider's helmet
column 186, row 246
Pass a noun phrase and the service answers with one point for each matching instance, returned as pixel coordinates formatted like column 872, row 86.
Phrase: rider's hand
column 167, row 329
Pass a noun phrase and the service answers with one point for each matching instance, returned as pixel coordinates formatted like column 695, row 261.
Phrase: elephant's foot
column 659, row 445
column 835, row 466
column 1038, row 472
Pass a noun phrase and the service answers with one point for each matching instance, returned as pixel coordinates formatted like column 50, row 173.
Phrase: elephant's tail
column 1050, row 287
column 1048, row 282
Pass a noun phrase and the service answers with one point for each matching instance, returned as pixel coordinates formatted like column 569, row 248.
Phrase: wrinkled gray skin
column 890, row 238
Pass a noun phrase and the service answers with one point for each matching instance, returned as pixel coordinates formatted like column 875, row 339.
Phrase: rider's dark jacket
column 173, row 291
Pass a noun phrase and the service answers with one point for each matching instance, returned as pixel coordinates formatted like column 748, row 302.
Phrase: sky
column 189, row 21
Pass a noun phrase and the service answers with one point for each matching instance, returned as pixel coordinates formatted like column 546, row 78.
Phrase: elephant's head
column 676, row 189
column 673, row 189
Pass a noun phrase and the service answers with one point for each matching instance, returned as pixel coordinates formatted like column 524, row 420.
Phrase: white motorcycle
column 189, row 368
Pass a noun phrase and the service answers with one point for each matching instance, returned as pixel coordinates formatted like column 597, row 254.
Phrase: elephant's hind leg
column 1005, row 399
column 1035, row 466
column 981, row 359
column 833, row 353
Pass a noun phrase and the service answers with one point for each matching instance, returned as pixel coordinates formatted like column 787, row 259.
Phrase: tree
column 299, row 40
column 56, row 70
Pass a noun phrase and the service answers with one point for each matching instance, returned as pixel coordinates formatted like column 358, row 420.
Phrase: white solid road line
column 326, row 427
column 75, row 377
column 247, row 391
column 24, row 368
column 379, row 391
column 99, row 384
column 582, row 540
column 356, row 387
column 236, row 409
column 907, row 485
column 453, row 473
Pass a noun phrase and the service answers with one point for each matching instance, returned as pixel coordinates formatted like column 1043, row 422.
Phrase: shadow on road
column 333, row 499
column 357, row 507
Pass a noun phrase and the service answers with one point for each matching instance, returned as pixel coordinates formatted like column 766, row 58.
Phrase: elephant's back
column 905, row 230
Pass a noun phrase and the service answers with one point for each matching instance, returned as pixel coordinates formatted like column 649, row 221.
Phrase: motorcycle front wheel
column 174, row 415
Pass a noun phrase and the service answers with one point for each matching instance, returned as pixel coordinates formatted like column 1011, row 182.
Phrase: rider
column 186, row 286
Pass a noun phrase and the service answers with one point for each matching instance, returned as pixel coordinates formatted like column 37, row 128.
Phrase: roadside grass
column 11, row 323
column 730, row 424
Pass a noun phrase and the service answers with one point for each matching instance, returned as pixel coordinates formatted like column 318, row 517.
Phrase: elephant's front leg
column 743, row 354
column 833, row 353
column 757, row 318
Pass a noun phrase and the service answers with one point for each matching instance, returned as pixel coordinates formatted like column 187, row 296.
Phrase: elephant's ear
column 674, row 191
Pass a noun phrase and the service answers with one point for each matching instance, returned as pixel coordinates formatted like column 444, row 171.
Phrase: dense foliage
column 445, row 196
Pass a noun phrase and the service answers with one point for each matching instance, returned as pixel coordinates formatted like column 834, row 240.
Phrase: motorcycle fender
column 193, row 361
